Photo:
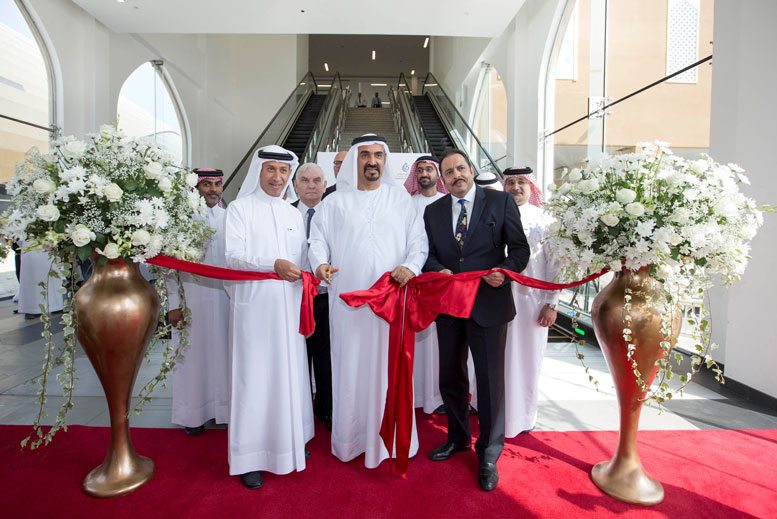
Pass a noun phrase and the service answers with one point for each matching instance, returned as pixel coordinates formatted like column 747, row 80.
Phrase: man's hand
column 175, row 317
column 287, row 270
column 446, row 271
column 494, row 279
column 547, row 316
column 325, row 271
column 402, row 275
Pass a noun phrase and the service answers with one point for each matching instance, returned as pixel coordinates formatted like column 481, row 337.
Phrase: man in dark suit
column 336, row 164
column 310, row 183
column 474, row 229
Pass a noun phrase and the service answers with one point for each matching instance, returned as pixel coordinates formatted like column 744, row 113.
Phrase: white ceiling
column 403, row 17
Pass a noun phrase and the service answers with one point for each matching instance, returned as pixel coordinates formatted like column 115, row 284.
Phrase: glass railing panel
column 274, row 133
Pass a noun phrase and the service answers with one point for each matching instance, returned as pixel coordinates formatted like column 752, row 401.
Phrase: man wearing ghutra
column 425, row 185
column 271, row 416
column 527, row 334
column 369, row 228
column 201, row 379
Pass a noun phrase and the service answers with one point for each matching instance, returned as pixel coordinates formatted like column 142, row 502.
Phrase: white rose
column 111, row 251
column 82, row 235
column 589, row 186
column 153, row 170
column 156, row 243
column 48, row 213
column 44, row 186
column 74, row 149
column 575, row 175
column 610, row 220
column 192, row 179
column 565, row 188
column 141, row 237
column 625, row 196
column 165, row 185
column 112, row 192
column 635, row 209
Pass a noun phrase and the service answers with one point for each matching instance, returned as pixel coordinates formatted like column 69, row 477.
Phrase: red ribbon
column 307, row 322
column 409, row 310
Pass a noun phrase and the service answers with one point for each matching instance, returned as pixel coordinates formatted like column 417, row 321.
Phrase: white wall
column 743, row 131
column 230, row 85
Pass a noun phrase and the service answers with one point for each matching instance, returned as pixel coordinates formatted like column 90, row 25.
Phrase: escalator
column 304, row 124
column 435, row 131
column 300, row 133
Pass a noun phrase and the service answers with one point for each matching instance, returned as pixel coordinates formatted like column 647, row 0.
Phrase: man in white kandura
column 201, row 379
column 425, row 186
column 271, row 415
column 527, row 334
column 369, row 228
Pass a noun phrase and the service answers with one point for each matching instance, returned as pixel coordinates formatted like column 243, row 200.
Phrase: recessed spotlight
column 412, row 72
column 378, row 84
column 373, row 55
column 326, row 67
column 426, row 42
column 121, row 1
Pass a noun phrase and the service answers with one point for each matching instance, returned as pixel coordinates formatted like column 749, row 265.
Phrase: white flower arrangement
column 687, row 220
column 114, row 197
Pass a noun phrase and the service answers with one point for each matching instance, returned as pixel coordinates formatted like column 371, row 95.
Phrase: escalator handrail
column 409, row 104
column 463, row 120
column 324, row 119
column 270, row 124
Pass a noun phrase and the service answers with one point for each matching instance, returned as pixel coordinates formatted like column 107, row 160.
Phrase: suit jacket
column 494, row 226
column 331, row 189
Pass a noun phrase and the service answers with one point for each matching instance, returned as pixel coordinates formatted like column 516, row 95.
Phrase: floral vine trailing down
column 685, row 219
column 114, row 197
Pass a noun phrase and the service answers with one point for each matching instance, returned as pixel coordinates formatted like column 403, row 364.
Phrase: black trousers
column 488, row 355
column 319, row 357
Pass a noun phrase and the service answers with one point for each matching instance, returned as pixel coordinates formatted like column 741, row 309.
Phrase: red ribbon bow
column 307, row 322
column 409, row 310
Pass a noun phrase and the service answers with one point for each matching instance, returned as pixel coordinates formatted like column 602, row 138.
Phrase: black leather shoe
column 446, row 450
column 488, row 477
column 440, row 410
column 252, row 479
column 194, row 431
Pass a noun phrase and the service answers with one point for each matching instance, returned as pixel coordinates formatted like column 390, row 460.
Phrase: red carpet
column 704, row 473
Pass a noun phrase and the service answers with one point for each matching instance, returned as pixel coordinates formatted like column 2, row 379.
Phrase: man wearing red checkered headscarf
column 535, row 309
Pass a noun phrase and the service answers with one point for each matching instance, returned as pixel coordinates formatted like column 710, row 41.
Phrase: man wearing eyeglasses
column 336, row 164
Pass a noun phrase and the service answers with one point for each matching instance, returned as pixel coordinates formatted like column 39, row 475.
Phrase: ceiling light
column 373, row 55
column 326, row 67
column 412, row 72
column 378, row 84
column 430, row 84
column 426, row 42
column 324, row 86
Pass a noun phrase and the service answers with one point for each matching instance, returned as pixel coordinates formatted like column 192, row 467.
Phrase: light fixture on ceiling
column 378, row 84
column 430, row 84
column 326, row 67
column 121, row 1
column 324, row 86
column 412, row 72
column 373, row 55
column 426, row 42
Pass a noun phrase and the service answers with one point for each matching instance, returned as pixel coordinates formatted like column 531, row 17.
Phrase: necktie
column 461, row 225
column 307, row 227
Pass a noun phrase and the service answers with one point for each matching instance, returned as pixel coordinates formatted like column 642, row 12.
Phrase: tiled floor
column 568, row 402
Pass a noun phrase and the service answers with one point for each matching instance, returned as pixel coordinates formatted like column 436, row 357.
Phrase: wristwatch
column 552, row 306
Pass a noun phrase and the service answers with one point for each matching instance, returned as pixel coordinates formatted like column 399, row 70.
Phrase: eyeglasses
column 338, row 163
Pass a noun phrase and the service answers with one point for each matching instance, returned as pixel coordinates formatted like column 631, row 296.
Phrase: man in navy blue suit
column 474, row 229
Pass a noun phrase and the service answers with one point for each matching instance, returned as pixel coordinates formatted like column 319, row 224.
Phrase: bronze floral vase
column 623, row 476
column 116, row 312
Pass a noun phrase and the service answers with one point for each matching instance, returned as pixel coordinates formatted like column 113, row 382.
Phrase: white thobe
column 35, row 269
column 271, row 414
column 426, row 364
column 364, row 234
column 201, row 379
column 526, row 340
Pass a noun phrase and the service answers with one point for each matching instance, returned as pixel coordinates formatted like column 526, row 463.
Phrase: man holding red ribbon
column 470, row 229
column 271, row 416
